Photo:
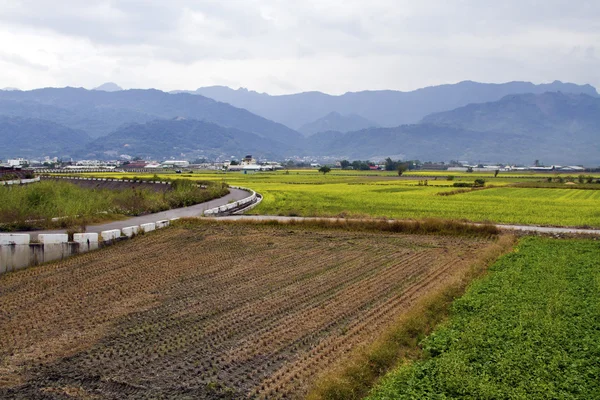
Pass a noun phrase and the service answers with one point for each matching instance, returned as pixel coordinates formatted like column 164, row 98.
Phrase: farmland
column 529, row 330
column 215, row 310
column 383, row 194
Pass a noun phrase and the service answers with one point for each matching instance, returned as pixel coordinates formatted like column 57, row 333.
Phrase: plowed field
column 207, row 311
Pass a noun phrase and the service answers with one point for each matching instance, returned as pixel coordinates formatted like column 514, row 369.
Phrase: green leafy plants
column 527, row 331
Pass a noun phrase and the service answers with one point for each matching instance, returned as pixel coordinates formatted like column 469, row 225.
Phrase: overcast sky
column 286, row 46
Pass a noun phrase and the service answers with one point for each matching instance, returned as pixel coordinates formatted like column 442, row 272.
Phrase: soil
column 209, row 310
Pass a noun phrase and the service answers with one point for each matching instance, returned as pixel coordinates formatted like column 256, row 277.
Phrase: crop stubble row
column 211, row 311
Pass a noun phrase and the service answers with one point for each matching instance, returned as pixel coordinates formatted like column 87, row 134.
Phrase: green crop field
column 529, row 330
column 383, row 194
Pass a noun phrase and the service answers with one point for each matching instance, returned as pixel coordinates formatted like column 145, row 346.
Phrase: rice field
column 207, row 310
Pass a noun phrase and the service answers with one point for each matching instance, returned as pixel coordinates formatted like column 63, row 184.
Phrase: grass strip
column 429, row 226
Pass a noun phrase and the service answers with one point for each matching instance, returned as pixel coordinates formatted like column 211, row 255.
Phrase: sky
column 288, row 46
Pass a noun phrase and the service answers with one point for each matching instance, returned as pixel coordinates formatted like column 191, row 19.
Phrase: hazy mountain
column 549, row 114
column 9, row 89
column 177, row 137
column 100, row 113
column 109, row 87
column 385, row 107
column 335, row 121
column 30, row 137
column 556, row 127
column 96, row 121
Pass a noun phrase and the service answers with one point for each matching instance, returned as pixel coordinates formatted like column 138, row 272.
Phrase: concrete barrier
column 230, row 208
column 53, row 238
column 148, row 227
column 17, row 256
column 14, row 238
column 162, row 224
column 110, row 235
column 57, row 251
column 130, row 231
column 86, row 241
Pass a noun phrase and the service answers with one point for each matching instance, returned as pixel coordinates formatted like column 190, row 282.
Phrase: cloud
column 17, row 60
column 284, row 45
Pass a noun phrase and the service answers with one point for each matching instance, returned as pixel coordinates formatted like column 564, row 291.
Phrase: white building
column 175, row 164
column 17, row 162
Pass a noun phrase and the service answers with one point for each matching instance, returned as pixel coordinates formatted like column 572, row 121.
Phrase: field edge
column 355, row 376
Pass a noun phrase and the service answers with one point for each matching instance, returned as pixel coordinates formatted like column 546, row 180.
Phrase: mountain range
column 559, row 126
column 335, row 121
column 99, row 112
column 31, row 137
column 387, row 108
column 181, row 138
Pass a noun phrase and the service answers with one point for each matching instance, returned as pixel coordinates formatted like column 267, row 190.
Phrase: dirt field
column 210, row 311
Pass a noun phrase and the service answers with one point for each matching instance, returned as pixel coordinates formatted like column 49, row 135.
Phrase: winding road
column 191, row 211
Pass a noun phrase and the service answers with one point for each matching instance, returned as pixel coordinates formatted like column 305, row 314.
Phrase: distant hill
column 542, row 115
column 109, row 87
column 557, row 127
column 335, row 121
column 182, row 138
column 9, row 89
column 100, row 113
column 387, row 108
column 30, row 137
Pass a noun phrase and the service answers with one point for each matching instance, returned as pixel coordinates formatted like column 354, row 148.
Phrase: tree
column 344, row 164
column 496, row 172
column 402, row 168
column 360, row 165
column 324, row 169
column 390, row 165
column 234, row 162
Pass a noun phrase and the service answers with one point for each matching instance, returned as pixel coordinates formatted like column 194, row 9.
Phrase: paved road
column 192, row 211
column 526, row 228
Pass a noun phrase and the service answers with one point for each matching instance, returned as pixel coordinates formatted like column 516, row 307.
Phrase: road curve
column 524, row 228
column 191, row 211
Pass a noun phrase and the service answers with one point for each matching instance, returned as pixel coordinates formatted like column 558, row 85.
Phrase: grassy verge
column 430, row 226
column 57, row 204
column 400, row 343
column 529, row 330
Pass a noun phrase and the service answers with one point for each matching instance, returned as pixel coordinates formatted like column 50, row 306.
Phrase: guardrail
column 84, row 178
column 20, row 181
column 74, row 170
column 235, row 206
